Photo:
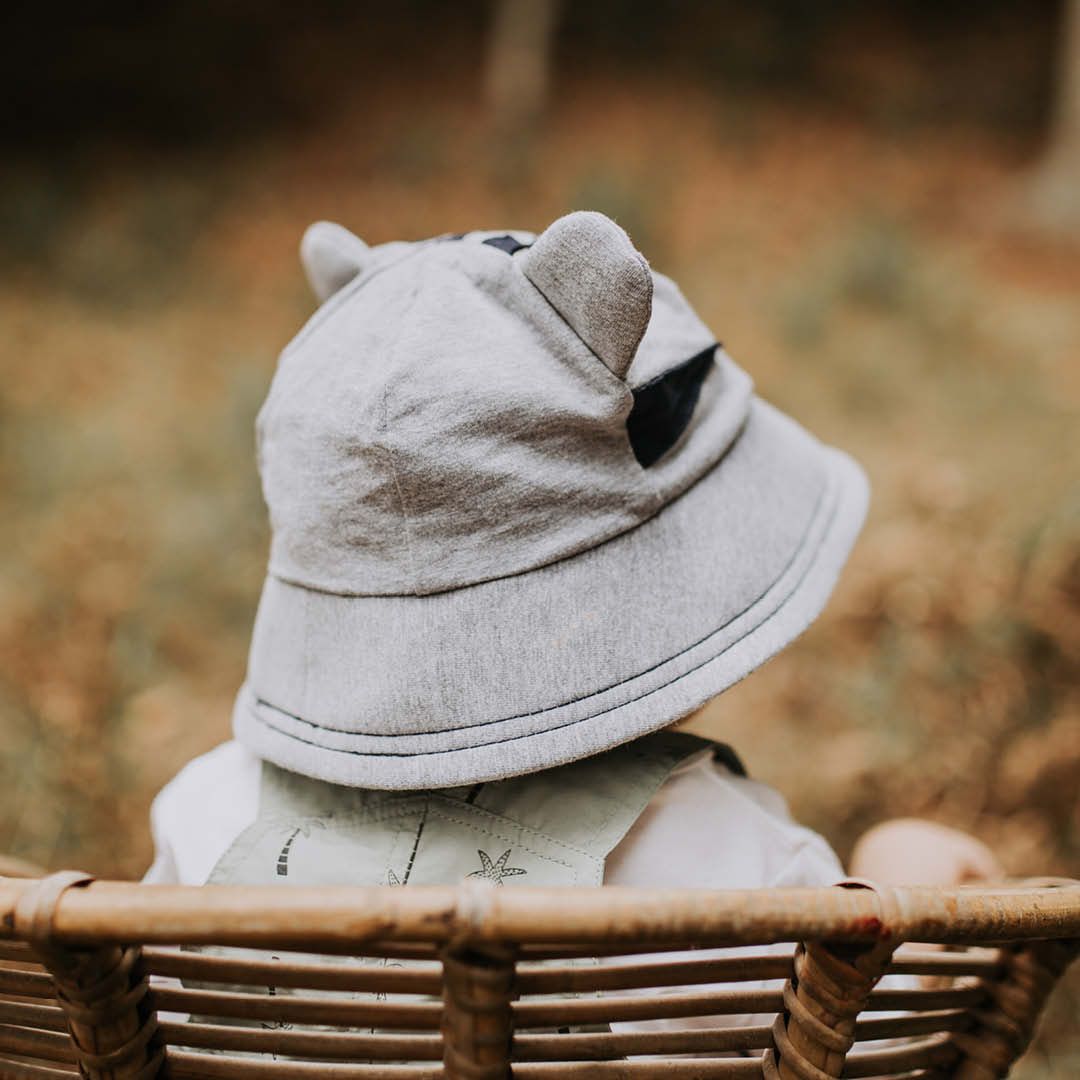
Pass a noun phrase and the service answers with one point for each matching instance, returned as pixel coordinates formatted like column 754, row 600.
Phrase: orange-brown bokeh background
column 847, row 196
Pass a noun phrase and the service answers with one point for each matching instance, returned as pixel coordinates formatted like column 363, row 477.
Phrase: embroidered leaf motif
column 496, row 871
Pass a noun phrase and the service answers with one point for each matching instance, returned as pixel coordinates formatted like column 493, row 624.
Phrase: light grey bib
column 555, row 827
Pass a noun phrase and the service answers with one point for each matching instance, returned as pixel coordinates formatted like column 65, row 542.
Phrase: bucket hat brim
column 541, row 668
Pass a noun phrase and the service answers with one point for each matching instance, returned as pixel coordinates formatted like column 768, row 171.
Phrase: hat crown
column 457, row 410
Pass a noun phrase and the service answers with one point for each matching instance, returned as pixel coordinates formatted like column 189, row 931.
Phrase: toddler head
column 524, row 508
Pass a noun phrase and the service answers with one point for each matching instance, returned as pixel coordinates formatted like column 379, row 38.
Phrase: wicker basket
column 477, row 982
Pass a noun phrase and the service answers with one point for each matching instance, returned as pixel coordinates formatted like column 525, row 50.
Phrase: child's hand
column 910, row 851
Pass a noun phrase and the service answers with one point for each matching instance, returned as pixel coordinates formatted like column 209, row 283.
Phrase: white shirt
column 705, row 828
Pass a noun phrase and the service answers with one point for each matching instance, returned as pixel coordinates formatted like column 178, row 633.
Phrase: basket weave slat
column 34, row 984
column 424, row 952
column 24, row 1014
column 17, row 951
column 535, row 979
column 308, row 976
column 428, row 952
column 895, row 1027
column 932, row 1053
column 611, row 1008
column 187, row 1065
column 670, row 1069
column 11, row 1069
column 553, row 950
column 600, row 1046
column 961, row 997
column 305, row 1044
column 421, row 1016
column 505, row 964
column 969, row 962
column 181, row 1065
column 49, row 1045
column 531, row 978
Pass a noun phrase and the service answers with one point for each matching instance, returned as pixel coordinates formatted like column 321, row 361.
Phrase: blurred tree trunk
column 1055, row 191
column 518, row 61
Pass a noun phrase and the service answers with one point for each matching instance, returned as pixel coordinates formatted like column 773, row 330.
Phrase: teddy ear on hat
column 332, row 256
column 593, row 276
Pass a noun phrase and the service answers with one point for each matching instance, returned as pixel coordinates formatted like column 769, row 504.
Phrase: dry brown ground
column 872, row 285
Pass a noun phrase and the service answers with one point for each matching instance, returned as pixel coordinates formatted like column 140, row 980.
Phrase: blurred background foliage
column 844, row 190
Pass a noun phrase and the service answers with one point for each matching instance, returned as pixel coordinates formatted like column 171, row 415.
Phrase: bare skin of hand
column 911, row 851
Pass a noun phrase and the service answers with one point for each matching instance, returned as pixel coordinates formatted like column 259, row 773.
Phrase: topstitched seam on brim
column 332, row 303
column 604, row 689
column 573, row 701
column 531, row 734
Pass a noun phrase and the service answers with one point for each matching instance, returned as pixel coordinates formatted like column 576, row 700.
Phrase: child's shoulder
column 212, row 798
column 710, row 828
column 218, row 770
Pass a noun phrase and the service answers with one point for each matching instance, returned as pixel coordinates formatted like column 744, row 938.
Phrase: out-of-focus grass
column 861, row 279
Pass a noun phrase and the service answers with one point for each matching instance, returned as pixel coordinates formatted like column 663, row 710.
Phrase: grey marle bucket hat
column 524, row 509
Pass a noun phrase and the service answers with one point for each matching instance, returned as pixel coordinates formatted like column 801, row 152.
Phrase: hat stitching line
column 509, row 824
column 406, row 524
column 648, row 489
column 574, row 873
column 566, row 322
column 328, row 307
column 802, row 547
column 615, row 804
column 732, row 442
column 324, row 311
column 527, row 735
column 572, row 701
